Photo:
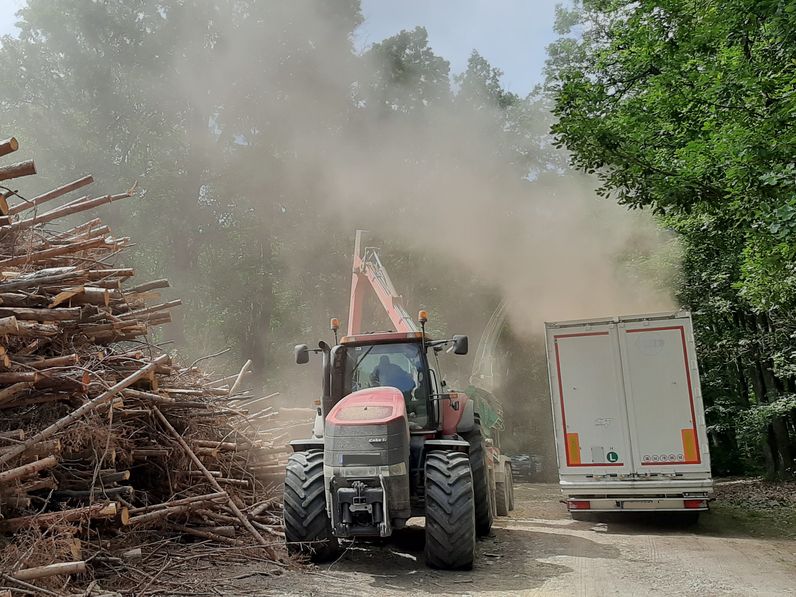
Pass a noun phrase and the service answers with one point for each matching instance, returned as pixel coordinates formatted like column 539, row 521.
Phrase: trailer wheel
column 510, row 481
column 687, row 519
column 502, row 498
column 308, row 530
column 481, row 485
column 583, row 516
column 450, row 511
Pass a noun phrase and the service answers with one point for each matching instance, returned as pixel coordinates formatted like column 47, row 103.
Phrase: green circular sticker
column 612, row 456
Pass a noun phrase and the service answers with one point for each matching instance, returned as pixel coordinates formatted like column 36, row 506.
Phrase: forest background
column 654, row 169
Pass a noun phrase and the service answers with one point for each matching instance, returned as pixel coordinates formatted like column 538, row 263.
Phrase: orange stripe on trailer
column 573, row 449
column 689, row 445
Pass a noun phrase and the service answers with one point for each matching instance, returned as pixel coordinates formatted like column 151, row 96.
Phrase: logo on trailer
column 612, row 456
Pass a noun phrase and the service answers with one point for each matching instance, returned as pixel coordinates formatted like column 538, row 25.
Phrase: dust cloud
column 437, row 177
column 436, row 180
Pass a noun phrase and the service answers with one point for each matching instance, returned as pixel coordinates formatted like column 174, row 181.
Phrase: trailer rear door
column 664, row 405
column 588, row 400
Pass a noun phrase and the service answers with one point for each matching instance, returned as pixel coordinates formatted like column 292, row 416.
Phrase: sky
column 510, row 34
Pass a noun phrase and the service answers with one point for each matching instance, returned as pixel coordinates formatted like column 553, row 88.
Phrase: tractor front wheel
column 450, row 511
column 308, row 530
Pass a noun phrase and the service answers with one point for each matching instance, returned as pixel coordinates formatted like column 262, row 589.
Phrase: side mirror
column 302, row 354
column 460, row 344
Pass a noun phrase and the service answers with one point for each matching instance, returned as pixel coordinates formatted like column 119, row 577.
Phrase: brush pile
column 113, row 459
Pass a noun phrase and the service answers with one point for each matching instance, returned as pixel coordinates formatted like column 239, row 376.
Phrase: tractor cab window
column 399, row 366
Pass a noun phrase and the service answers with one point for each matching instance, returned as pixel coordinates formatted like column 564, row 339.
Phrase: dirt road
column 539, row 551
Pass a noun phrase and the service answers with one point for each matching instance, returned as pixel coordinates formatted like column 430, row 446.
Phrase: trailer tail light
column 691, row 504
column 579, row 505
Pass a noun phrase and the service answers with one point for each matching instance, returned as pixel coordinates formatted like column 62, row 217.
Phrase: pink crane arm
column 369, row 271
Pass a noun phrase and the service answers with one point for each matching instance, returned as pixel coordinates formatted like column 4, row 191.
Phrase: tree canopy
column 688, row 108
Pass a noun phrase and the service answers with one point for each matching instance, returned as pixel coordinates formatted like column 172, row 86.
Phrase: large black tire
column 502, row 498
column 481, row 485
column 308, row 530
column 450, row 511
column 687, row 519
column 583, row 516
column 504, row 493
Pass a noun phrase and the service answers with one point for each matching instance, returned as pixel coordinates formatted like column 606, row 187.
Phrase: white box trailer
column 628, row 415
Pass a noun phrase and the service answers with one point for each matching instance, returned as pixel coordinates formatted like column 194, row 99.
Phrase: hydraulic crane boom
column 369, row 271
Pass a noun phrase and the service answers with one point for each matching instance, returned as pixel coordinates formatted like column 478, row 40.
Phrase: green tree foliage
column 688, row 108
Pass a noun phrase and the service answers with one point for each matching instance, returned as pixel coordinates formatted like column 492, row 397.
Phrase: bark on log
column 50, row 570
column 108, row 510
column 238, row 380
column 15, row 502
column 17, row 170
column 224, row 446
column 26, row 470
column 67, row 210
column 64, row 361
column 125, row 491
column 17, row 299
column 132, row 554
column 50, row 195
column 92, row 295
column 53, row 252
column 47, row 448
column 80, row 229
column 16, row 434
column 34, row 314
column 102, row 274
column 13, row 377
column 30, row 486
column 158, row 514
column 25, row 282
column 10, row 145
column 152, row 309
column 209, row 535
column 7, row 394
column 209, row 497
column 11, row 326
column 146, row 287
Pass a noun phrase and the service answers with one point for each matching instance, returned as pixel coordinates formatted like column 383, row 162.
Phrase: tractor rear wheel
column 308, row 530
column 450, row 511
column 481, row 485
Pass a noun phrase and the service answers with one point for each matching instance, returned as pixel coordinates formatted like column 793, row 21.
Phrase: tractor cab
column 393, row 359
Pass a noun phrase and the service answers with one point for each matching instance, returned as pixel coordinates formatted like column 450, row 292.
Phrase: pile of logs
column 107, row 447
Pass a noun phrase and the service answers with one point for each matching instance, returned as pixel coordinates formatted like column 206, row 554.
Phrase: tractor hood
column 372, row 406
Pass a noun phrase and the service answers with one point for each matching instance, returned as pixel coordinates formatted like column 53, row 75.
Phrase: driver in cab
column 389, row 374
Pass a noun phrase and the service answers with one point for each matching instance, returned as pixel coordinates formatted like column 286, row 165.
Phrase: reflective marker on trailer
column 694, row 504
column 579, row 505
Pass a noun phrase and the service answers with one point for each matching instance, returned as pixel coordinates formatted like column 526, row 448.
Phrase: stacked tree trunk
column 107, row 447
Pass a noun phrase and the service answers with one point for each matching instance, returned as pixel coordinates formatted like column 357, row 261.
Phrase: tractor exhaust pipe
column 326, row 395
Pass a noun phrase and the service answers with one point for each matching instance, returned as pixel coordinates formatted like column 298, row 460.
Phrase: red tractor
column 390, row 441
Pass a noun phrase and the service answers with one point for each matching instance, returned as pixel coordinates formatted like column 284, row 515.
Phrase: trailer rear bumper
column 626, row 504
column 651, row 487
column 667, row 495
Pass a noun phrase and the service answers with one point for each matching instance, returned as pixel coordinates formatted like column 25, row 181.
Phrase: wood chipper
column 390, row 440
